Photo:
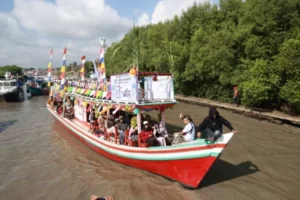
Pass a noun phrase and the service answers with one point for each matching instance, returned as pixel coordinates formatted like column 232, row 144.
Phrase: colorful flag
column 96, row 71
column 82, row 68
column 101, row 65
column 63, row 68
column 50, row 68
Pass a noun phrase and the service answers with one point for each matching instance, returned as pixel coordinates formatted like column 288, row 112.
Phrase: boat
column 37, row 87
column 186, row 163
column 11, row 91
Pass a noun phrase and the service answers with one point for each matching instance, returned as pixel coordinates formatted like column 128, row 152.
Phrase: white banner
column 160, row 89
column 79, row 112
column 124, row 88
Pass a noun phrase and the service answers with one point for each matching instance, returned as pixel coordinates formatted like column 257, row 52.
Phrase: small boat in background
column 37, row 87
column 11, row 90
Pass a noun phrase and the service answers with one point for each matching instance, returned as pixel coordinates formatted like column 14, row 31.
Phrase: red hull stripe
column 189, row 172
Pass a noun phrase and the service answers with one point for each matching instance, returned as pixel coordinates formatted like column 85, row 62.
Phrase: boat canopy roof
column 156, row 91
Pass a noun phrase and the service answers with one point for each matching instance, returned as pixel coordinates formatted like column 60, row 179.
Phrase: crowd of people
column 113, row 122
column 64, row 107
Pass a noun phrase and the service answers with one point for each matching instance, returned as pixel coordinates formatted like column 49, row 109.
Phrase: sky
column 30, row 28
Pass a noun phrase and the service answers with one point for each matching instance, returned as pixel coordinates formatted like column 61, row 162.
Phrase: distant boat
column 11, row 90
column 37, row 87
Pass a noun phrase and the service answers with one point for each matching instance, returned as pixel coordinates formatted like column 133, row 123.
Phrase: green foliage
column 253, row 44
column 88, row 67
column 291, row 93
column 11, row 68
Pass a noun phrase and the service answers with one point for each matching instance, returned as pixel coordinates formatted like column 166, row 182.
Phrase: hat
column 145, row 122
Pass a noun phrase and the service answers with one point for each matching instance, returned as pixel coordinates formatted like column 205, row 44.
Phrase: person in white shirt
column 188, row 132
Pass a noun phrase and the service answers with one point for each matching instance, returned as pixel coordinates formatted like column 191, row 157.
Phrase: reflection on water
column 41, row 160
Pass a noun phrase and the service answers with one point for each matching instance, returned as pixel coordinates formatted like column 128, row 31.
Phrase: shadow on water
column 223, row 171
column 6, row 124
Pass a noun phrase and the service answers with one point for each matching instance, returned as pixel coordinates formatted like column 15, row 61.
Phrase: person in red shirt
column 147, row 136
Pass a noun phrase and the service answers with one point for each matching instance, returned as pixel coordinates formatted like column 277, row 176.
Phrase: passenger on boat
column 188, row 132
column 96, row 129
column 110, row 124
column 55, row 101
column 92, row 117
column 50, row 101
column 68, row 108
column 59, row 108
column 101, row 121
column 161, row 133
column 146, row 117
column 133, row 131
column 121, row 127
column 212, row 126
column 147, row 135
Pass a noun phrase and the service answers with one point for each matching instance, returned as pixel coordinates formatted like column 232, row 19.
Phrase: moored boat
column 186, row 163
column 11, row 91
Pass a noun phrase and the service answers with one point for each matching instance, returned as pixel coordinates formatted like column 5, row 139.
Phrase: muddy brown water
column 39, row 160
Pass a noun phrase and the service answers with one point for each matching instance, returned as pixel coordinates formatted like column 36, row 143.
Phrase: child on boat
column 161, row 133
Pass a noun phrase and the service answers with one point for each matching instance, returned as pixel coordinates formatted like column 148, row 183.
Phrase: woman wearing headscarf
column 161, row 133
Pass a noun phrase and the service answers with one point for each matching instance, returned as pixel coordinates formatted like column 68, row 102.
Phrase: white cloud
column 35, row 26
column 167, row 9
column 81, row 19
column 143, row 19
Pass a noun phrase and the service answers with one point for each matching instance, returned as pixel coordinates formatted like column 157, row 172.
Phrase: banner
column 159, row 89
column 79, row 112
column 124, row 88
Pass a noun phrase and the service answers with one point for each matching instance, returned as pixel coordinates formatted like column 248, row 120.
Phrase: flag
column 63, row 68
column 82, row 68
column 50, row 67
column 96, row 71
column 101, row 65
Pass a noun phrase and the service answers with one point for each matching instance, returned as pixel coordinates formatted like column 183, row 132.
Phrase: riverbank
column 272, row 116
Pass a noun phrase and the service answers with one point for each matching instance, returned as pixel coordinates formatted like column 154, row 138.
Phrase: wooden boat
column 36, row 87
column 186, row 163
column 35, row 91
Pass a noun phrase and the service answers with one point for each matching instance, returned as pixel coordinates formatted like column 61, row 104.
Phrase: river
column 40, row 160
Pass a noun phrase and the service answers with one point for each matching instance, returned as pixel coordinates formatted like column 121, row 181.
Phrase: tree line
column 17, row 70
column 254, row 44
column 14, row 69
